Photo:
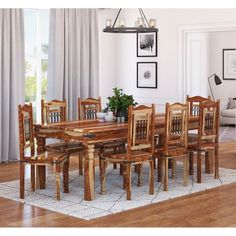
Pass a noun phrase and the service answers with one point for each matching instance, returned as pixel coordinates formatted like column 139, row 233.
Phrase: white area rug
column 115, row 200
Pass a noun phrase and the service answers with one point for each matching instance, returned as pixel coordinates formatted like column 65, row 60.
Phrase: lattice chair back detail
column 177, row 125
column 209, row 122
column 26, row 133
column 194, row 104
column 88, row 108
column 141, row 129
column 53, row 111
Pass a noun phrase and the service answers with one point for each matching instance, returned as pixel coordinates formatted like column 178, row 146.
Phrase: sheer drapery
column 12, row 63
column 73, row 56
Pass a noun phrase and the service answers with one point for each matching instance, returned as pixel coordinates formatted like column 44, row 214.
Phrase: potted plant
column 119, row 103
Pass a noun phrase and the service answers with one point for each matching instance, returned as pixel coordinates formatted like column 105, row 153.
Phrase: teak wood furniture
column 194, row 110
column 208, row 134
column 91, row 132
column 140, row 148
column 175, row 143
column 88, row 108
column 54, row 112
column 26, row 141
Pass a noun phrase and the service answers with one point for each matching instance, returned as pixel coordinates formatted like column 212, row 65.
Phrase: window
column 36, row 57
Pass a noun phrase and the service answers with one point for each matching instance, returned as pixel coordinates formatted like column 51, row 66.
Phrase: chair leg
column 128, row 181
column 186, row 170
column 81, row 163
column 155, row 164
column 66, row 176
column 207, row 164
column 22, row 180
column 124, row 176
column 114, row 166
column 121, row 169
column 199, row 167
column 32, row 177
column 160, row 167
column 140, row 174
column 173, row 168
column 216, row 163
column 191, row 161
column 165, row 184
column 136, row 169
column 151, row 177
column 57, row 180
column 102, row 176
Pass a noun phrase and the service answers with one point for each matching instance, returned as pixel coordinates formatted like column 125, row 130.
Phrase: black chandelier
column 142, row 25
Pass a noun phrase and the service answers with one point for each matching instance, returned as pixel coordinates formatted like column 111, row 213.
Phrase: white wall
column 219, row 41
column 118, row 51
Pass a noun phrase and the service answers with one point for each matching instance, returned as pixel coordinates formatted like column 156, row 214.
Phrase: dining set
column 161, row 141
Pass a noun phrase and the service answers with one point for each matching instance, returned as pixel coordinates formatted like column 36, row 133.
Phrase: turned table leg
column 89, row 173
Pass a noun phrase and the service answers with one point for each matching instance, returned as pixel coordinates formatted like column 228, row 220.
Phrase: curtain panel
column 73, row 69
column 12, row 63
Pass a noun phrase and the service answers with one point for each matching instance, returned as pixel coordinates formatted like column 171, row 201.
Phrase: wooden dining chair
column 53, row 112
column 194, row 110
column 59, row 161
column 87, row 110
column 140, row 148
column 175, row 142
column 208, row 134
column 194, row 104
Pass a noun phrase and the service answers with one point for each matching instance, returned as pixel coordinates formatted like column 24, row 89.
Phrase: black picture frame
column 147, row 44
column 147, row 75
column 229, row 64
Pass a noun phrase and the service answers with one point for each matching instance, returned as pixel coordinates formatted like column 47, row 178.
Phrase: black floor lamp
column 217, row 82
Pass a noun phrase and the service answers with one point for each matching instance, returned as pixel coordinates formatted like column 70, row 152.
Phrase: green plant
column 120, row 101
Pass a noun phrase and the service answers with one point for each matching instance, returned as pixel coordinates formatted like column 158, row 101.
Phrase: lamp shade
column 217, row 80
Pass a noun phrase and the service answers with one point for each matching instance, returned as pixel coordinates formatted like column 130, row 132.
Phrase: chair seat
column 47, row 158
column 65, row 147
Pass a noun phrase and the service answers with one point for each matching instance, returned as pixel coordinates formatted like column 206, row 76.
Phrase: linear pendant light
column 142, row 27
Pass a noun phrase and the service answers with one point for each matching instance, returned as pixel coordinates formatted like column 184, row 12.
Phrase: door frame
column 182, row 49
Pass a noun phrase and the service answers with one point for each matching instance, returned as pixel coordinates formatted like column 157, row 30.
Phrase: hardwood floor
column 214, row 207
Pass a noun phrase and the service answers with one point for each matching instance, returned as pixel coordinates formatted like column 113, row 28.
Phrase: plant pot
column 122, row 116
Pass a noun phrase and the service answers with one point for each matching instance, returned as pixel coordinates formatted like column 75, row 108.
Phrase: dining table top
column 95, row 130
column 96, row 125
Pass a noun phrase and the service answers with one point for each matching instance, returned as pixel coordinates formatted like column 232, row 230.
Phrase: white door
column 196, row 64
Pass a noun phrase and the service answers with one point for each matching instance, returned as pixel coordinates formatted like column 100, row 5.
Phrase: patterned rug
column 115, row 200
column 227, row 133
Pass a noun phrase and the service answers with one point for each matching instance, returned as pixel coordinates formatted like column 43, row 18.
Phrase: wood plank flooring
column 214, row 207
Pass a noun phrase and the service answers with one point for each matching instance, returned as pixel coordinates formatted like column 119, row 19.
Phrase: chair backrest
column 194, row 103
column 176, row 128
column 26, row 132
column 209, row 121
column 88, row 108
column 53, row 111
column 140, row 129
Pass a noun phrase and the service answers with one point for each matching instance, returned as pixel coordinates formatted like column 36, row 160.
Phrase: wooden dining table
column 89, row 133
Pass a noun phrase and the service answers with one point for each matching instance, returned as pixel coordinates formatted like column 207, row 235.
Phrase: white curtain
column 12, row 64
column 73, row 56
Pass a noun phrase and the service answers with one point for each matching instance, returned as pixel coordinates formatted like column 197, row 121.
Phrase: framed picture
column 147, row 44
column 146, row 74
column 229, row 64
